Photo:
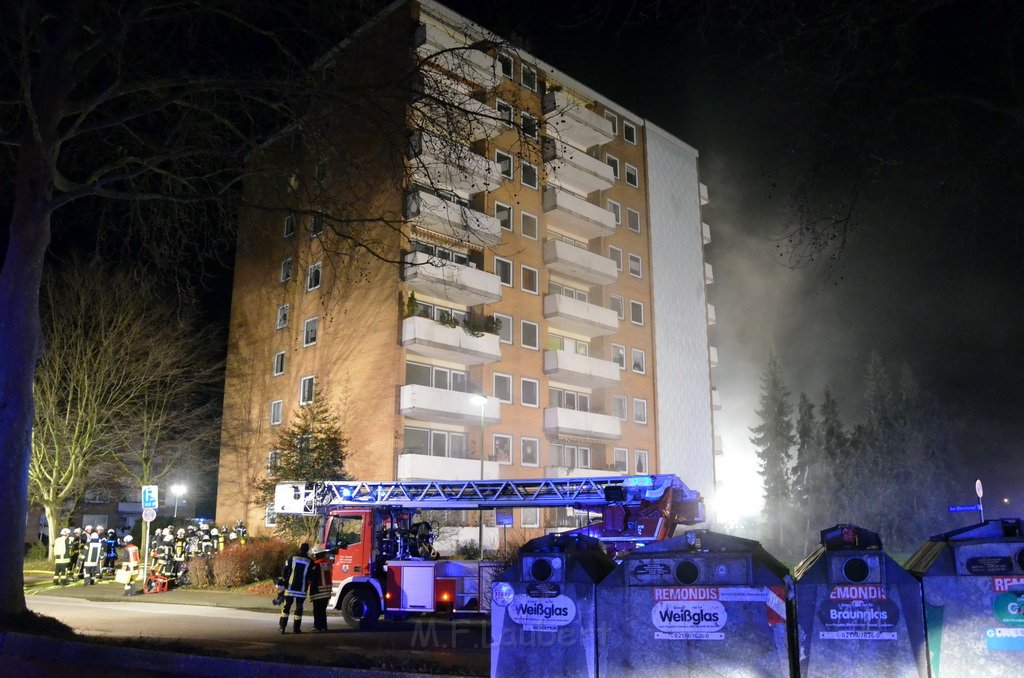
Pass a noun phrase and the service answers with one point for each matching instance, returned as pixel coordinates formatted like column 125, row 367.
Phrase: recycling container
column 973, row 582
column 858, row 612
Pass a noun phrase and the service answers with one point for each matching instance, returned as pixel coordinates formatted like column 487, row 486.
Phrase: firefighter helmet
column 128, row 539
column 65, row 532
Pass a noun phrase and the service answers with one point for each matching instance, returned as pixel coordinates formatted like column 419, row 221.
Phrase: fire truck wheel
column 360, row 607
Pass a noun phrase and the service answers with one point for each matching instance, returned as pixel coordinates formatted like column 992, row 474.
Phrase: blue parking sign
column 150, row 496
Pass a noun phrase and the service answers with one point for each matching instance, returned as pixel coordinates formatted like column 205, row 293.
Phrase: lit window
column 636, row 266
column 309, row 331
column 279, row 363
column 503, row 213
column 632, row 220
column 276, row 412
column 503, row 269
column 528, row 225
column 640, row 410
column 529, row 392
column 505, row 163
column 632, row 177
column 503, row 387
column 639, row 361
column 505, row 331
column 282, row 316
column 313, row 276
column 619, row 355
column 529, row 451
column 613, row 162
column 616, row 304
column 506, row 64
column 307, row 390
column 529, row 78
column 636, row 312
column 528, row 278
column 616, row 209
column 529, row 174
column 286, row 270
column 529, row 334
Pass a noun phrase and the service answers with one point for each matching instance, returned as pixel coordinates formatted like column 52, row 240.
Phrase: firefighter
column 241, row 531
column 110, row 553
column 130, row 563
column 93, row 558
column 294, row 582
column 191, row 542
column 205, row 542
column 83, row 548
column 179, row 552
column 165, row 558
column 62, row 557
column 320, row 587
column 218, row 538
column 74, row 548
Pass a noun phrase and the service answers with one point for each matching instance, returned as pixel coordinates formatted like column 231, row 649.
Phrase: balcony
column 705, row 231
column 716, row 400
column 579, row 264
column 447, row 280
column 572, row 169
column 433, row 43
column 431, row 339
column 559, row 421
column 579, row 317
column 713, row 356
column 427, row 467
column 711, row 314
column 580, row 370
column 426, row 403
column 445, row 164
column 719, row 448
column 573, row 472
column 709, row 274
column 577, row 217
column 570, row 120
column 703, row 194
column 451, row 219
column 447, row 107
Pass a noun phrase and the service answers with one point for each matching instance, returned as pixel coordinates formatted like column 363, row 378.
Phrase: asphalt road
column 247, row 626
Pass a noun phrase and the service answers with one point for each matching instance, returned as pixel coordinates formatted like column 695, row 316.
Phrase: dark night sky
column 932, row 270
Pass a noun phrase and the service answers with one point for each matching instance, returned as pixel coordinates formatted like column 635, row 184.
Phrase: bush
column 248, row 563
column 468, row 550
column 200, row 572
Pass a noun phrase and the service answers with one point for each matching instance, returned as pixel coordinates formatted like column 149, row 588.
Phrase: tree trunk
column 52, row 513
column 20, row 348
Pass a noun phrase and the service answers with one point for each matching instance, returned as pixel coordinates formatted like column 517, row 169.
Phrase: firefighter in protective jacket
column 294, row 581
column 62, row 557
column 93, row 559
column 320, row 587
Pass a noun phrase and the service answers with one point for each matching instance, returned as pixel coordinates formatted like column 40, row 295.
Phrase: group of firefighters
column 87, row 554
column 307, row 574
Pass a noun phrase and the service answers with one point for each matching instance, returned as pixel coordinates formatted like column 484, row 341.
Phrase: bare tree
column 122, row 390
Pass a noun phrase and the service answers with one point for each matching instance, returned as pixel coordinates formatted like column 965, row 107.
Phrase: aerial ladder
column 384, row 560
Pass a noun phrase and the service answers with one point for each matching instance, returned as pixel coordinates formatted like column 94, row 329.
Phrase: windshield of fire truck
column 343, row 531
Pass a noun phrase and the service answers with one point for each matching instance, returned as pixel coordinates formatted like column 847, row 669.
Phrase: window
column 529, row 392
column 503, row 269
column 569, row 400
column 309, row 331
column 613, row 162
column 529, row 451
column 504, row 112
column 582, row 457
column 636, row 312
column 307, row 390
column 313, row 276
column 505, row 163
column 566, row 291
column 279, row 363
column 289, row 226
column 640, row 410
column 435, row 377
column 505, row 331
column 529, row 279
column 503, row 387
column 632, row 220
column 276, row 412
column 616, row 209
column 529, row 334
column 529, row 78
column 639, row 361
column 503, row 213
column 502, row 448
column 282, row 316
column 641, row 461
column 616, row 304
column 611, row 117
column 620, row 461
column 529, row 174
column 636, row 266
column 96, row 496
column 286, row 270
column 528, row 225
column 269, row 516
column 619, row 407
column 529, row 124
column 557, row 342
column 615, row 254
column 619, row 355
column 632, row 177
column 320, row 171
column 530, row 517
column 316, row 226
column 434, row 443
column 629, row 132
column 273, row 461
column 505, row 64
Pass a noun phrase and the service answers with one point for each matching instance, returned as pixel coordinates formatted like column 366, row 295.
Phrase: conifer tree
column 807, row 473
column 773, row 440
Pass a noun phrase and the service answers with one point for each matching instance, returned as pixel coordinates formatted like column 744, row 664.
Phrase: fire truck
column 384, row 560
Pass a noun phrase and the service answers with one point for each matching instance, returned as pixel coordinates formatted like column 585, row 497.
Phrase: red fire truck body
column 384, row 560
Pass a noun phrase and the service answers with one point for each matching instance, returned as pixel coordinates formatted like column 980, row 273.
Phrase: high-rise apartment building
column 528, row 292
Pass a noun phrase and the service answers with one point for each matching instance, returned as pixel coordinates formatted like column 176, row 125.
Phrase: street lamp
column 481, row 402
column 177, row 491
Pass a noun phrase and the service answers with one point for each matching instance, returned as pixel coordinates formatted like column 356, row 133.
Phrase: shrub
column 231, row 568
column 250, row 562
column 468, row 550
column 200, row 572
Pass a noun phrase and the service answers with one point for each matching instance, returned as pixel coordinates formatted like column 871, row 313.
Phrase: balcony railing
column 712, row 319
column 426, row 403
column 451, row 219
column 705, row 230
column 569, row 119
column 570, row 213
column 569, row 167
column 447, row 280
column 427, row 467
column 431, row 339
column 451, row 52
column 445, row 164
column 703, row 193
column 579, row 264
column 580, row 370
column 709, row 274
column 445, row 106
column 713, row 356
column 579, row 317
column 559, row 421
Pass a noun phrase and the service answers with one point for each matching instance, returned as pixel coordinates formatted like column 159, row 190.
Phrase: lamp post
column 177, row 491
column 481, row 401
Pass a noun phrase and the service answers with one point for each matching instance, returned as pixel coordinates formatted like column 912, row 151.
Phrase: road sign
column 149, row 514
column 978, row 488
column 150, row 496
column 963, row 508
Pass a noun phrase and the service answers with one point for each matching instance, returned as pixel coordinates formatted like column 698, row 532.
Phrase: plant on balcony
column 448, row 319
column 410, row 305
column 476, row 325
